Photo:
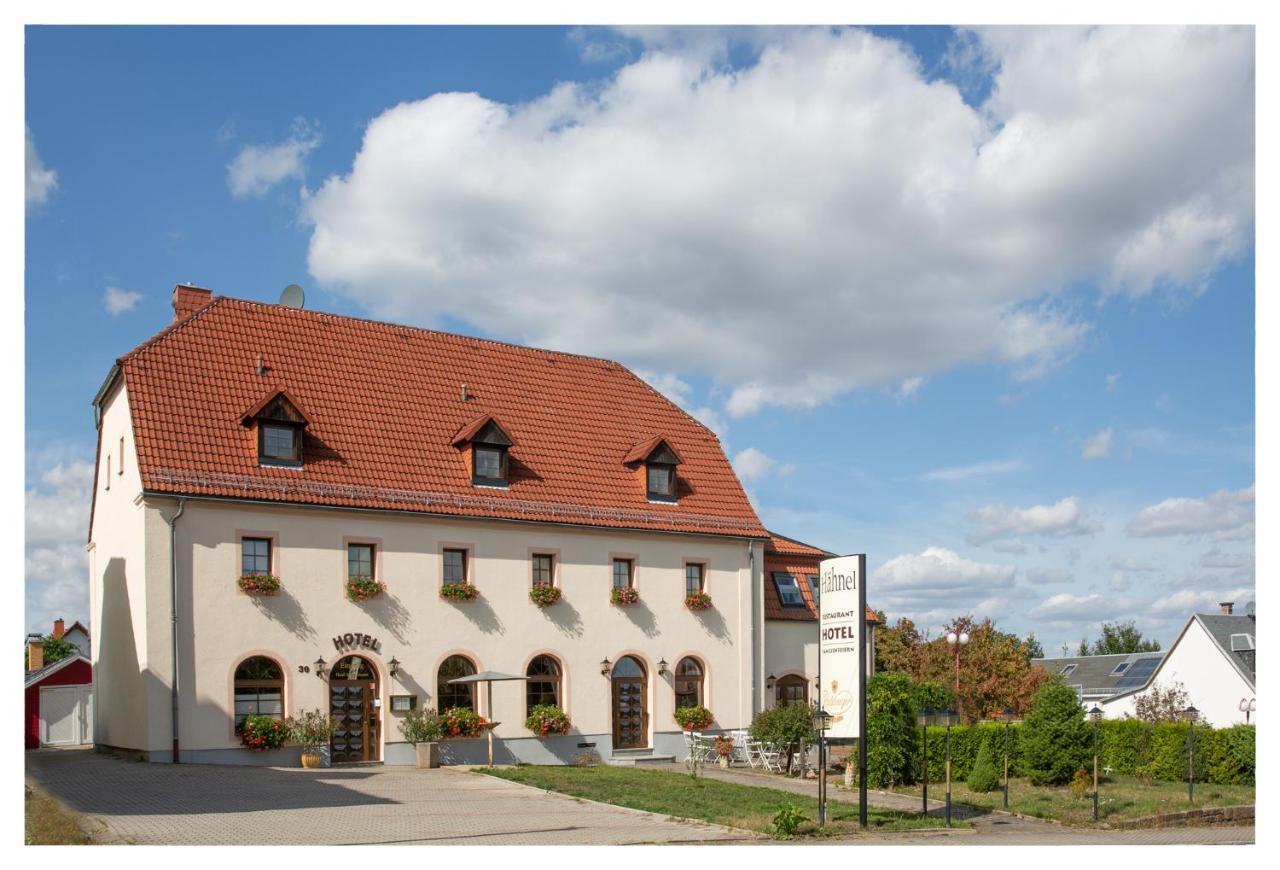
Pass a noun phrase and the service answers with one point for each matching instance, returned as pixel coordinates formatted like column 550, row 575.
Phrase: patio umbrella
column 488, row 678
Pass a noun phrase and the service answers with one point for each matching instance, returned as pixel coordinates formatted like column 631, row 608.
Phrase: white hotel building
column 251, row 438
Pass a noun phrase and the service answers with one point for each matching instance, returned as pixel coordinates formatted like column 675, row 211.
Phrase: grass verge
column 1119, row 797
column 48, row 824
column 722, row 803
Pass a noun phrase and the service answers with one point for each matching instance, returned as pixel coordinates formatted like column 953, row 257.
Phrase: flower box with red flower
column 624, row 596
column 259, row 584
column 364, row 588
column 547, row 720
column 544, row 595
column 698, row 601
column 459, row 592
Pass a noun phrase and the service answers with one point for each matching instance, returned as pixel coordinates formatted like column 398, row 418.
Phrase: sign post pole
column 862, row 692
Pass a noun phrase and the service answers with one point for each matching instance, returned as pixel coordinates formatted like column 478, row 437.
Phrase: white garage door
column 66, row 715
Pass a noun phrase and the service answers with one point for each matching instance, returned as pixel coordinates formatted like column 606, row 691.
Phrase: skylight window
column 1120, row 669
column 788, row 589
column 1068, row 670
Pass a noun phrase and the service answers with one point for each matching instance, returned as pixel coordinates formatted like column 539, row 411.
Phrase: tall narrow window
column 543, row 686
column 788, row 590
column 120, row 470
column 259, row 689
column 543, row 565
column 688, row 683
column 455, row 567
column 661, row 479
column 815, row 587
column 108, row 486
column 792, row 689
column 455, row 694
column 694, row 579
column 359, row 560
column 623, row 573
column 255, row 555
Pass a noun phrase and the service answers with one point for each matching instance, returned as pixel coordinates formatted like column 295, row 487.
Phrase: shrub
column 984, row 776
column 1054, row 739
column 785, row 725
column 892, row 736
column 786, row 821
column 422, row 726
column 461, row 722
column 1081, row 784
column 698, row 601
column 458, row 592
column 260, row 733
column 544, row 596
column 545, row 719
column 259, row 584
column 1232, row 759
column 311, row 730
column 624, row 596
column 931, row 694
column 364, row 588
column 691, row 718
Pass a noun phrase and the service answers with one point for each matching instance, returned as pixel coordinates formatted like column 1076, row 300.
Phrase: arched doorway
column 353, row 687
column 630, row 704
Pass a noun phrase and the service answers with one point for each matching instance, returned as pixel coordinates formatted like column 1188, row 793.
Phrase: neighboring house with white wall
column 1214, row 659
column 1097, row 678
column 257, row 439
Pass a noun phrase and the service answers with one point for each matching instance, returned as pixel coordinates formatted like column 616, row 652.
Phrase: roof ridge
column 798, row 541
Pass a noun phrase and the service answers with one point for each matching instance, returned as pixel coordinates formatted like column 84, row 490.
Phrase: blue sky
column 980, row 304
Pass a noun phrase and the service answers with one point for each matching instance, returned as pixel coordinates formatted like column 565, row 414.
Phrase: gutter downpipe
column 173, row 619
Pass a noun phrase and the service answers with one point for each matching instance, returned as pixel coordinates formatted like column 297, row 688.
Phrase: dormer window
column 280, row 422
column 489, row 444
column 659, row 460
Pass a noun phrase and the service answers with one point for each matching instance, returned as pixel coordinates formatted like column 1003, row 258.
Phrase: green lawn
column 1120, row 797
column 48, row 824
column 724, row 803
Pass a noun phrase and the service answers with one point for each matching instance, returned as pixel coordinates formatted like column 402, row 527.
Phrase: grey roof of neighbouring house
column 1097, row 675
column 1221, row 626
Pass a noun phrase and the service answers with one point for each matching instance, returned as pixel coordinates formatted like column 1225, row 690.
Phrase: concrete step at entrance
column 638, row 758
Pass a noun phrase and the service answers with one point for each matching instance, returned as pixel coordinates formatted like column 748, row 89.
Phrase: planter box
column 428, row 755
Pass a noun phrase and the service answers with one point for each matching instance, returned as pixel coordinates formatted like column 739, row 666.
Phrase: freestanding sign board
column 842, row 673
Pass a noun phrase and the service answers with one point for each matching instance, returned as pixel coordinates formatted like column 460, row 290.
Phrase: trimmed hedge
column 1128, row 746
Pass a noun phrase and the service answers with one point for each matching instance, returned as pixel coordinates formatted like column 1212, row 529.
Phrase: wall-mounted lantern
column 320, row 664
column 393, row 666
column 662, row 667
column 605, row 666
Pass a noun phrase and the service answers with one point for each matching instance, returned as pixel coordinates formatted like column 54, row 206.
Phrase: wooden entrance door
column 353, row 686
column 630, row 712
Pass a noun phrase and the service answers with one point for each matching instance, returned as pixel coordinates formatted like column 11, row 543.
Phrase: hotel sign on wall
column 841, row 645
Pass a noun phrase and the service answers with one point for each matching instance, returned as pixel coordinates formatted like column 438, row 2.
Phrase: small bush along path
column 721, row 803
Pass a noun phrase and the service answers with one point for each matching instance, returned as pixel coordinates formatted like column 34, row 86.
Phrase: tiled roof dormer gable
column 279, row 421
column 656, row 460
column 489, row 443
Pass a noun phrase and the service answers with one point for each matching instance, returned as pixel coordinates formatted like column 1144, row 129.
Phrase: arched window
column 792, row 689
column 689, row 683
column 543, row 686
column 259, row 689
column 455, row 694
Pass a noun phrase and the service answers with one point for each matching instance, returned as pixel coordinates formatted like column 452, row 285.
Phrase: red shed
column 59, row 703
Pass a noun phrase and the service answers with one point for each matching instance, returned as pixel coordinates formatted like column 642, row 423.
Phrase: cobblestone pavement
column 990, row 828
column 228, row 805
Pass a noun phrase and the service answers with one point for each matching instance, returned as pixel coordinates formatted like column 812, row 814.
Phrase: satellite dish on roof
column 293, row 297
column 1251, row 609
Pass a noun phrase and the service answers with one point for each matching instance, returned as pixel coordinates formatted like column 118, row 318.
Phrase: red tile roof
column 790, row 556
column 383, row 404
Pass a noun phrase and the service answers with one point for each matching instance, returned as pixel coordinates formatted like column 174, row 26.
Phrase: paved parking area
column 228, row 805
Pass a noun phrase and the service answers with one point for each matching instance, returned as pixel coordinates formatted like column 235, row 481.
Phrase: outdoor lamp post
column 1095, row 716
column 949, row 717
column 1007, row 715
column 924, row 719
column 957, row 641
column 1247, row 706
column 821, row 721
column 1190, row 715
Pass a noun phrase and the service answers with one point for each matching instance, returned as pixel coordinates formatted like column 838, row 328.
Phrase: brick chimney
column 1227, row 607
column 187, row 300
column 35, row 654
column 59, row 628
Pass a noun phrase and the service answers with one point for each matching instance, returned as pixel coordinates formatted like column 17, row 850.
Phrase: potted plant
column 624, row 596
column 724, row 749
column 364, row 588
column 312, row 731
column 544, row 596
column 458, row 591
column 698, row 601
column 259, row 584
column 545, row 720
column 691, row 718
column 261, row 733
column 423, row 728
column 461, row 722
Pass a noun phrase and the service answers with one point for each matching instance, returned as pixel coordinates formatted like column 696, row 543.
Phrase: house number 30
column 304, row 669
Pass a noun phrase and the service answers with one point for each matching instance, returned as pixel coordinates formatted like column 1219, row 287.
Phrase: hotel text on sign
column 840, row 642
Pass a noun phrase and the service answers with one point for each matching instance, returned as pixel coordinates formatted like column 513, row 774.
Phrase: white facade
column 218, row 626
column 1213, row 683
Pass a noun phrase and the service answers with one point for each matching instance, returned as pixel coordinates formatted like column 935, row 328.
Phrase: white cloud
column 117, row 301
column 979, row 469
column 1098, row 445
column 1060, row 520
column 1215, row 558
column 1049, row 576
column 258, row 168
column 909, row 387
column 1225, row 515
column 56, row 565
column 1066, row 607
column 654, row 216
column 1189, row 601
column 1120, row 582
column 752, row 464
column 40, row 179
column 1015, row 547
column 939, row 570
column 1131, row 564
